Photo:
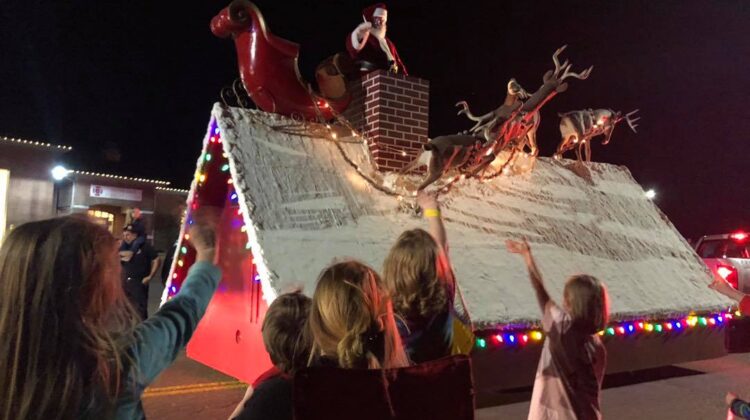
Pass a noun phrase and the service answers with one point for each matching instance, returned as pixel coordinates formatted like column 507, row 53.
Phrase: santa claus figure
column 369, row 46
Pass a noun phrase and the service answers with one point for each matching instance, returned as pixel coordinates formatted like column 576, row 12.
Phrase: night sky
column 130, row 84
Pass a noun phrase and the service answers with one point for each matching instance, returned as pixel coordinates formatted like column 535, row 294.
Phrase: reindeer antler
column 558, row 67
column 631, row 121
column 465, row 110
column 565, row 67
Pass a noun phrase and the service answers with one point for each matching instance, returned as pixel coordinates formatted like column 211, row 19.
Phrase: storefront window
column 103, row 218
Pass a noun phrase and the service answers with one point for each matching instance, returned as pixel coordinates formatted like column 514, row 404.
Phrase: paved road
column 688, row 391
column 691, row 391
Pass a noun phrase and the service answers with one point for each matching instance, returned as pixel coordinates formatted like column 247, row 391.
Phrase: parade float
column 303, row 180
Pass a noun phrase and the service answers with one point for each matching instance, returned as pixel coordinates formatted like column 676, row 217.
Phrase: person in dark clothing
column 139, row 228
column 270, row 396
column 139, row 265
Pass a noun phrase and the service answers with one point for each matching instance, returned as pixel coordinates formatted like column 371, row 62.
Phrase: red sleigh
column 268, row 66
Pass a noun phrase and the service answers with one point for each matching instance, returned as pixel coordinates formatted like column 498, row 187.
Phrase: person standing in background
column 139, row 266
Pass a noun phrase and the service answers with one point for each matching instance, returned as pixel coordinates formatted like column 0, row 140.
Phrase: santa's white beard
column 379, row 32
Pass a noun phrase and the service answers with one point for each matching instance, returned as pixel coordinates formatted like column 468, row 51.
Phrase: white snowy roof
column 307, row 206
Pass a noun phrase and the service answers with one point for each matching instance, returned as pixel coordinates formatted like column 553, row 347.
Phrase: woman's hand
column 203, row 234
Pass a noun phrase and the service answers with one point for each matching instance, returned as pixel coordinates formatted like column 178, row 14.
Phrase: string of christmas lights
column 212, row 185
column 214, row 168
column 36, row 143
column 519, row 337
column 174, row 190
column 126, row 178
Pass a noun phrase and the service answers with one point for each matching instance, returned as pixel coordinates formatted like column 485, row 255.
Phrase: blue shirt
column 159, row 339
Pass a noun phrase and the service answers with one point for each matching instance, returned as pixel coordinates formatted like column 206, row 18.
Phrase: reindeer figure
column 507, row 125
column 445, row 152
column 578, row 128
column 488, row 125
column 522, row 121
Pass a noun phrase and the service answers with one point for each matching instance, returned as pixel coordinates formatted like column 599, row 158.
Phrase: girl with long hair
column 351, row 320
column 71, row 346
column 418, row 275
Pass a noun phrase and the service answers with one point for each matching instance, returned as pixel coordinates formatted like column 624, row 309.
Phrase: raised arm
column 431, row 210
column 159, row 339
column 522, row 248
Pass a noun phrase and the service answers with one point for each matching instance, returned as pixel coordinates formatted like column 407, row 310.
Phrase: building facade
column 28, row 192
column 27, row 188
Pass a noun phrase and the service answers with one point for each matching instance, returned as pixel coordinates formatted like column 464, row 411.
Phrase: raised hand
column 363, row 29
column 203, row 233
column 517, row 247
column 427, row 200
column 730, row 397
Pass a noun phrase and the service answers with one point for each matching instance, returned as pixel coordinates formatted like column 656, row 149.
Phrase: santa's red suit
column 368, row 43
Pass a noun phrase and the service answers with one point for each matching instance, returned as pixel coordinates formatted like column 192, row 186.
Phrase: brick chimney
column 391, row 111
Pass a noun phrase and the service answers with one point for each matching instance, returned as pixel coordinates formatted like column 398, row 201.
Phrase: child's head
column 284, row 333
column 416, row 274
column 63, row 315
column 587, row 302
column 351, row 320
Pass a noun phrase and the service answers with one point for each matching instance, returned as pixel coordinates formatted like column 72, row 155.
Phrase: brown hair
column 587, row 302
column 351, row 320
column 64, row 320
column 284, row 332
column 417, row 275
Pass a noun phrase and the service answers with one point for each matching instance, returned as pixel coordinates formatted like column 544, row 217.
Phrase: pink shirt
column 570, row 372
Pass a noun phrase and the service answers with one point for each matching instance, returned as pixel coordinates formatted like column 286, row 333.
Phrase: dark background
column 130, row 84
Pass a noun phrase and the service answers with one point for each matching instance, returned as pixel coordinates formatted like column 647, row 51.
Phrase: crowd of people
column 74, row 346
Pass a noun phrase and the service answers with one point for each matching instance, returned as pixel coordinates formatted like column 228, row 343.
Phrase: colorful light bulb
column 481, row 343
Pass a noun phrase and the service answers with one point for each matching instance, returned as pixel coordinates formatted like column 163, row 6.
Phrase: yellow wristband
column 432, row 213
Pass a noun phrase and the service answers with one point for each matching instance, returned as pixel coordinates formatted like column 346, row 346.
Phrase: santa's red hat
column 376, row 10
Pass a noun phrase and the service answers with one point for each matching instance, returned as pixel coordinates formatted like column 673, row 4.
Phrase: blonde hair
column 351, row 319
column 64, row 320
column 587, row 302
column 417, row 275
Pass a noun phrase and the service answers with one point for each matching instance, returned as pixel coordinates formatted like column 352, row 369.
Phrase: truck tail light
column 739, row 236
column 728, row 273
